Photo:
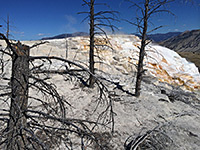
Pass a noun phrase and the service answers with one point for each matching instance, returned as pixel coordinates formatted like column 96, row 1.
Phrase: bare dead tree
column 149, row 140
column 91, row 55
column 19, row 97
column 8, row 27
column 47, row 125
column 147, row 8
column 97, row 20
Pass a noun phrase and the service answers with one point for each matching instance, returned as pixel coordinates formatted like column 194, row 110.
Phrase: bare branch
column 37, row 44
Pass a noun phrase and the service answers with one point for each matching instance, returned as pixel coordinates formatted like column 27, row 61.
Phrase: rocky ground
column 164, row 117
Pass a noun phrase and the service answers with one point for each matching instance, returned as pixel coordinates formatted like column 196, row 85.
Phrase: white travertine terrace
column 160, row 62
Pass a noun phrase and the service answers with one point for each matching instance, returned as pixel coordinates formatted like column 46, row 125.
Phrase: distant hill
column 188, row 41
column 158, row 37
column 155, row 37
column 61, row 36
column 163, row 36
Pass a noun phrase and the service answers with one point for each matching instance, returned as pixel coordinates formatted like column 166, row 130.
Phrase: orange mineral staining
column 164, row 60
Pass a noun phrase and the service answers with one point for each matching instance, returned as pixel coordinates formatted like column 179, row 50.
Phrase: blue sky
column 34, row 19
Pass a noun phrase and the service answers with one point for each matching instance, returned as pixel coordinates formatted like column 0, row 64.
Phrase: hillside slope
column 62, row 36
column 188, row 41
column 158, row 37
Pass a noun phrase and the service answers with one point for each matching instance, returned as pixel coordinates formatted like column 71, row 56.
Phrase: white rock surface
column 160, row 62
column 177, row 113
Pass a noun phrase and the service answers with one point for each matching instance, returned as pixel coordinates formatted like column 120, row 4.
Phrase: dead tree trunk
column 97, row 21
column 91, row 53
column 19, row 98
column 140, row 69
column 8, row 27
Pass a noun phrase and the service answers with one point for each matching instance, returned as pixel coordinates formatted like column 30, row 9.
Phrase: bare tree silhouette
column 97, row 21
column 25, row 127
column 147, row 9
column 8, row 27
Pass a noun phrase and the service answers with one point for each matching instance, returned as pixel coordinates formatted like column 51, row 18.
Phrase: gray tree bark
column 91, row 53
column 8, row 27
column 140, row 69
column 19, row 98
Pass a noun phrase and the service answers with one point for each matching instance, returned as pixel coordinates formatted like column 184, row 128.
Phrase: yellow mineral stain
column 164, row 60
